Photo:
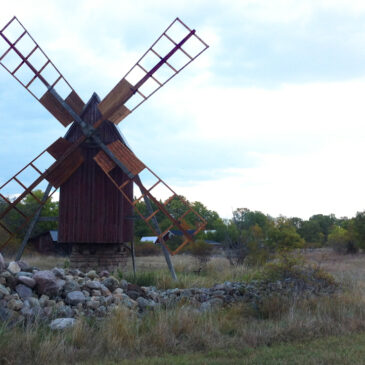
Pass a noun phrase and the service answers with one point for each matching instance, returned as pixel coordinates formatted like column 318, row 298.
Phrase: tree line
column 250, row 230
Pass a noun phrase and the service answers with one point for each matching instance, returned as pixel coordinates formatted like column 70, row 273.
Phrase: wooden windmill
column 100, row 179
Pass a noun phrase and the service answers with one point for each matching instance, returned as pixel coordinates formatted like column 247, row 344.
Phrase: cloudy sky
column 270, row 117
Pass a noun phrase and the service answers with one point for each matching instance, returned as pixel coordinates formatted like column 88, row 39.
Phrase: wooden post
column 133, row 258
column 32, row 224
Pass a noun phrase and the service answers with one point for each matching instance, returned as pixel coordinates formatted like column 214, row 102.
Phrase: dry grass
column 124, row 335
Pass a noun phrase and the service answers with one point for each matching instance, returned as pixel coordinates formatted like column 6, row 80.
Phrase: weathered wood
column 50, row 102
column 75, row 102
column 65, row 169
column 112, row 107
column 123, row 154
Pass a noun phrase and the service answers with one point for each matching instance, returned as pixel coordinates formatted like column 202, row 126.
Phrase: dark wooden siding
column 92, row 210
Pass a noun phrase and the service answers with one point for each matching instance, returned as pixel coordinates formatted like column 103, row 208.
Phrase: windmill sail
column 25, row 60
column 173, row 50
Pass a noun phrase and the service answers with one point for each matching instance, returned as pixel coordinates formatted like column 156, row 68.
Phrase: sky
column 270, row 117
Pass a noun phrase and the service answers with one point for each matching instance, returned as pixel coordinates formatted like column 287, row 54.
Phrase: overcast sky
column 270, row 117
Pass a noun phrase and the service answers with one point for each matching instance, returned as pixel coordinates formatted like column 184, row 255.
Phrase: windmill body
column 99, row 176
column 93, row 216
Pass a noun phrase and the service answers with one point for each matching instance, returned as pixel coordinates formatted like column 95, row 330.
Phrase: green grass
column 340, row 350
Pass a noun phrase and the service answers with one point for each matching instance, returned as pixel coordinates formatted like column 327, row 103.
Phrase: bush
column 146, row 249
column 341, row 241
column 200, row 250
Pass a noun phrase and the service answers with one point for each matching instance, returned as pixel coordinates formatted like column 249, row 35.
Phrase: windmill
column 100, row 179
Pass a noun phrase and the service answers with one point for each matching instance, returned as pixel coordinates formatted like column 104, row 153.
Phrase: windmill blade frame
column 116, row 102
column 36, row 72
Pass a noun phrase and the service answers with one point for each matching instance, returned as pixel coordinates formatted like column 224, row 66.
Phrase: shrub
column 201, row 250
column 146, row 249
column 342, row 242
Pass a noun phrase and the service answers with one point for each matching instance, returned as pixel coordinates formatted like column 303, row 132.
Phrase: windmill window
column 134, row 101
column 13, row 31
column 164, row 73
column 25, row 45
column 3, row 47
column 11, row 61
column 63, row 89
column 149, row 60
column 50, row 74
column 24, row 74
column 38, row 88
column 178, row 60
column 135, row 75
column 193, row 46
column 149, row 87
column 163, row 46
column 38, row 59
column 44, row 161
column 177, row 32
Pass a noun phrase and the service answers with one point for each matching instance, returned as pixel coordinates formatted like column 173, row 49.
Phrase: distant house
column 154, row 239
column 47, row 243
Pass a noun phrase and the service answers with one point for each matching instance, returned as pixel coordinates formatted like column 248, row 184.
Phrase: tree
column 342, row 240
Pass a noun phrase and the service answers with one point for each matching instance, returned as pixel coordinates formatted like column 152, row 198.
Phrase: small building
column 47, row 243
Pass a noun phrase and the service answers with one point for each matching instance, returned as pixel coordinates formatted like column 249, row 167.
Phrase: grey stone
column 145, row 303
column 47, row 283
column 71, row 285
column 93, row 284
column 62, row 323
column 30, row 282
column 104, row 273
column 75, row 297
column 15, row 304
column 23, row 291
column 3, row 291
column 118, row 291
column 111, row 283
column 92, row 274
column 123, row 284
column 2, row 263
column 24, row 266
column 60, row 273
column 96, row 293
column 13, row 267
column 24, row 273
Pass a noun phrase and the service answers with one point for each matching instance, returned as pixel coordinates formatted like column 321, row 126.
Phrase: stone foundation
column 99, row 256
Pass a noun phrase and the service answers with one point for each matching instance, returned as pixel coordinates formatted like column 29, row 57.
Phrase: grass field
column 314, row 331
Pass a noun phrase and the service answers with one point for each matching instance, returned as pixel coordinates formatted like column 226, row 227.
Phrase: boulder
column 71, row 285
column 3, row 291
column 23, row 291
column 75, row 297
column 15, row 304
column 93, row 284
column 62, row 323
column 13, row 267
column 92, row 274
column 111, row 283
column 24, row 266
column 60, row 273
column 47, row 283
column 30, row 282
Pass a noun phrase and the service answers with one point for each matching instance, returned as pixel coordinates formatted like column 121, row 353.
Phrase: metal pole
column 32, row 224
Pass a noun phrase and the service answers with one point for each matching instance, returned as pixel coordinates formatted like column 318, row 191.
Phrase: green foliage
column 342, row 240
column 28, row 206
column 200, row 250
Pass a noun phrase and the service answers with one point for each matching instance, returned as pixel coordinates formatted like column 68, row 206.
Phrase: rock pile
column 62, row 295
